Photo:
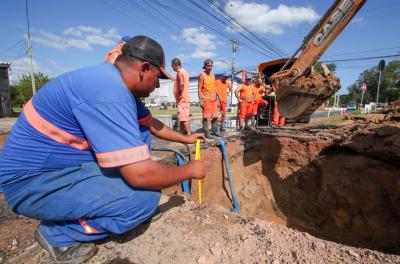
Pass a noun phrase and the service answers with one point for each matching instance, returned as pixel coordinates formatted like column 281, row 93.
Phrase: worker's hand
column 240, row 100
column 197, row 169
column 201, row 104
column 191, row 139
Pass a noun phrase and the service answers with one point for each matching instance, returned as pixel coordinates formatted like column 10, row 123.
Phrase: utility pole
column 381, row 66
column 234, row 50
column 28, row 41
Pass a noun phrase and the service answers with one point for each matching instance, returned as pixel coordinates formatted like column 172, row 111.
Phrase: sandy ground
column 321, row 193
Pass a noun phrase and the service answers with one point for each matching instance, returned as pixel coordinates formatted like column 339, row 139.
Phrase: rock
column 353, row 253
column 294, row 255
column 14, row 243
column 320, row 244
column 202, row 260
column 269, row 253
column 216, row 251
column 225, row 216
column 109, row 245
column 275, row 261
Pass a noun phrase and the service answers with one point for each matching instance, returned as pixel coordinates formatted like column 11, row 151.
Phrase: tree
column 22, row 91
column 318, row 67
column 388, row 90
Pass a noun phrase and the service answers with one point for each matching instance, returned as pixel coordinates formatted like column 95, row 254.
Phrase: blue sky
column 67, row 35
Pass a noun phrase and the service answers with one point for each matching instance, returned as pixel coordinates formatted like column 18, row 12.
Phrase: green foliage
column 318, row 68
column 388, row 90
column 22, row 91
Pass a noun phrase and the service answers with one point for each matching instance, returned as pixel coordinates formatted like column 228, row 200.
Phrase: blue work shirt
column 92, row 104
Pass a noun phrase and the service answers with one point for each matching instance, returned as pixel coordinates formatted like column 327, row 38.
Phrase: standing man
column 245, row 95
column 115, row 52
column 259, row 91
column 78, row 158
column 223, row 86
column 181, row 92
column 208, row 98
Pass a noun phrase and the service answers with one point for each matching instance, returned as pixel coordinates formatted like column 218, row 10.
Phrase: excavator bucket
column 301, row 96
column 305, row 94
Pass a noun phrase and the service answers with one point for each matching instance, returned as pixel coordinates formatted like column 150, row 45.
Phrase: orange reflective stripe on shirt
column 146, row 121
column 123, row 157
column 88, row 229
column 50, row 130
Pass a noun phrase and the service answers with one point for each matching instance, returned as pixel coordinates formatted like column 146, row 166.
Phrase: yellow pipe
column 198, row 158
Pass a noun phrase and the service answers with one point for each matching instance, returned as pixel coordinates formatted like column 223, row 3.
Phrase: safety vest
column 258, row 92
column 246, row 92
column 182, row 97
column 208, row 88
column 222, row 89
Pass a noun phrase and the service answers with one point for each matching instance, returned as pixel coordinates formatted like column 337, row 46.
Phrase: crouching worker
column 245, row 95
column 78, row 158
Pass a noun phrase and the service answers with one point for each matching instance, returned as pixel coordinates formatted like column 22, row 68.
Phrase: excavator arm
column 299, row 91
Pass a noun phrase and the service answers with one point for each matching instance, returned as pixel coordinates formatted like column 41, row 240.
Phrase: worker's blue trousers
column 83, row 203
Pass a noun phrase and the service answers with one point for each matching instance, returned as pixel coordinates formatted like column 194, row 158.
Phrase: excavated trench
column 330, row 190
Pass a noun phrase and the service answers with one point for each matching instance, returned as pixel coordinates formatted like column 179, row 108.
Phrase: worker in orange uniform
column 115, row 52
column 208, row 98
column 278, row 120
column 245, row 95
column 181, row 92
column 223, row 86
column 259, row 91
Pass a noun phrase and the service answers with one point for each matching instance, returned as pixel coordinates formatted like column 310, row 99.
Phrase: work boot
column 206, row 129
column 74, row 254
column 214, row 126
column 222, row 129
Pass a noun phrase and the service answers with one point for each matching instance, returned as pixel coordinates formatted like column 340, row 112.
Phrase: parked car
column 352, row 105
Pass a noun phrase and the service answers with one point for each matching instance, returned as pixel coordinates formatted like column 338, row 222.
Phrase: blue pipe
column 235, row 208
column 181, row 161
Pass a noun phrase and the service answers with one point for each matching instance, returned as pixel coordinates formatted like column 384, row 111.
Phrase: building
column 165, row 94
column 5, row 98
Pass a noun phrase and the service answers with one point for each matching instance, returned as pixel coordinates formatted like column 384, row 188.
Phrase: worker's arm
column 181, row 82
column 237, row 93
column 200, row 84
column 158, row 129
column 150, row 174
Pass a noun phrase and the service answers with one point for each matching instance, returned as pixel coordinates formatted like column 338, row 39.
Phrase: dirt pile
column 306, row 195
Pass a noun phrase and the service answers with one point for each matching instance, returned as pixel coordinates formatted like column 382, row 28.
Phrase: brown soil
column 324, row 193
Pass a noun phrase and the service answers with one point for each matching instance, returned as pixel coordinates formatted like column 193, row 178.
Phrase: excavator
column 299, row 89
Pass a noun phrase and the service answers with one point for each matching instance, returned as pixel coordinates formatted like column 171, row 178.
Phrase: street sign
column 364, row 87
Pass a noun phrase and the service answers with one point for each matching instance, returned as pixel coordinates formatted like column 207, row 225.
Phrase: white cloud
column 80, row 37
column 204, row 43
column 261, row 18
column 202, row 54
column 359, row 21
column 199, row 38
column 21, row 67
column 221, row 65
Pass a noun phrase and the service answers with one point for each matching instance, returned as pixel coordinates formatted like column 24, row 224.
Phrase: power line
column 360, row 52
column 190, row 17
column 226, row 24
column 11, row 47
column 364, row 58
column 229, row 12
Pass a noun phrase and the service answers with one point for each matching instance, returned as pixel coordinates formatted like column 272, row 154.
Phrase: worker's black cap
column 147, row 49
